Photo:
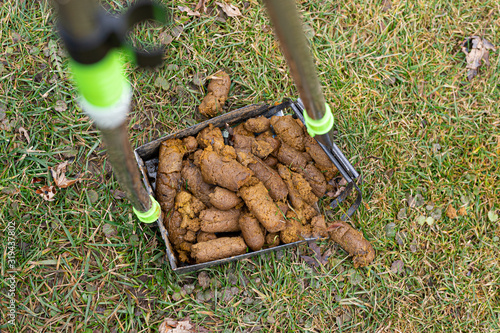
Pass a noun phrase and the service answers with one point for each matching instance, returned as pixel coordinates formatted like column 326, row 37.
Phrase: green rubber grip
column 151, row 215
column 102, row 83
column 319, row 126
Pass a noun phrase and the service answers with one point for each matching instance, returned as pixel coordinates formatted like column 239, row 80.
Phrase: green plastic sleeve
column 102, row 83
column 151, row 215
column 319, row 126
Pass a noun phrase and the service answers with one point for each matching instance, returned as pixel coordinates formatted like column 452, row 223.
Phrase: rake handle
column 79, row 20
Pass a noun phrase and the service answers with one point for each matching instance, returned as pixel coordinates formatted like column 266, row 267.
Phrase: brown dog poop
column 218, row 91
column 251, row 231
column 218, row 248
column 353, row 242
column 224, row 199
column 246, row 186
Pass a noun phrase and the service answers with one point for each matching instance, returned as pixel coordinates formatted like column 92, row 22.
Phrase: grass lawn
column 424, row 137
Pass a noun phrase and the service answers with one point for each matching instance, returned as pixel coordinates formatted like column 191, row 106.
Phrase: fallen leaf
column 390, row 230
column 386, row 5
column 118, row 195
column 474, row 55
column 492, row 215
column 335, row 194
column 2, row 108
column 310, row 261
column 451, row 212
column 397, row 267
column 198, row 79
column 318, row 259
column 47, row 192
column 355, row 277
column 177, row 30
column 390, row 81
column 436, row 148
column 436, row 214
column 164, row 327
column 229, row 9
column 61, row 106
column 430, row 221
column 410, row 200
column 173, row 326
column 166, row 38
column 415, row 201
column 59, row 175
column 204, row 280
column 465, row 199
column 161, row 82
column 402, row 214
column 109, row 230
column 328, row 253
column 201, row 6
column 172, row 67
column 344, row 318
column 413, row 248
column 421, row 220
column 36, row 180
column 10, row 190
column 462, row 211
column 399, row 238
column 221, row 16
column 134, row 240
column 93, row 196
column 317, row 253
column 189, row 11
column 176, row 296
column 343, row 182
column 24, row 132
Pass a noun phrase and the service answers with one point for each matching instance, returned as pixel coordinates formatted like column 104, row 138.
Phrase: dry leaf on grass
column 118, row 195
column 338, row 185
column 61, row 106
column 24, row 132
column 318, row 257
column 492, row 215
column 10, row 190
column 335, row 194
column 386, row 5
column 59, row 175
column 230, row 10
column 47, row 192
column 177, row 31
column 36, row 180
column 201, row 6
column 476, row 50
column 184, row 326
column 397, row 267
column 189, row 11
